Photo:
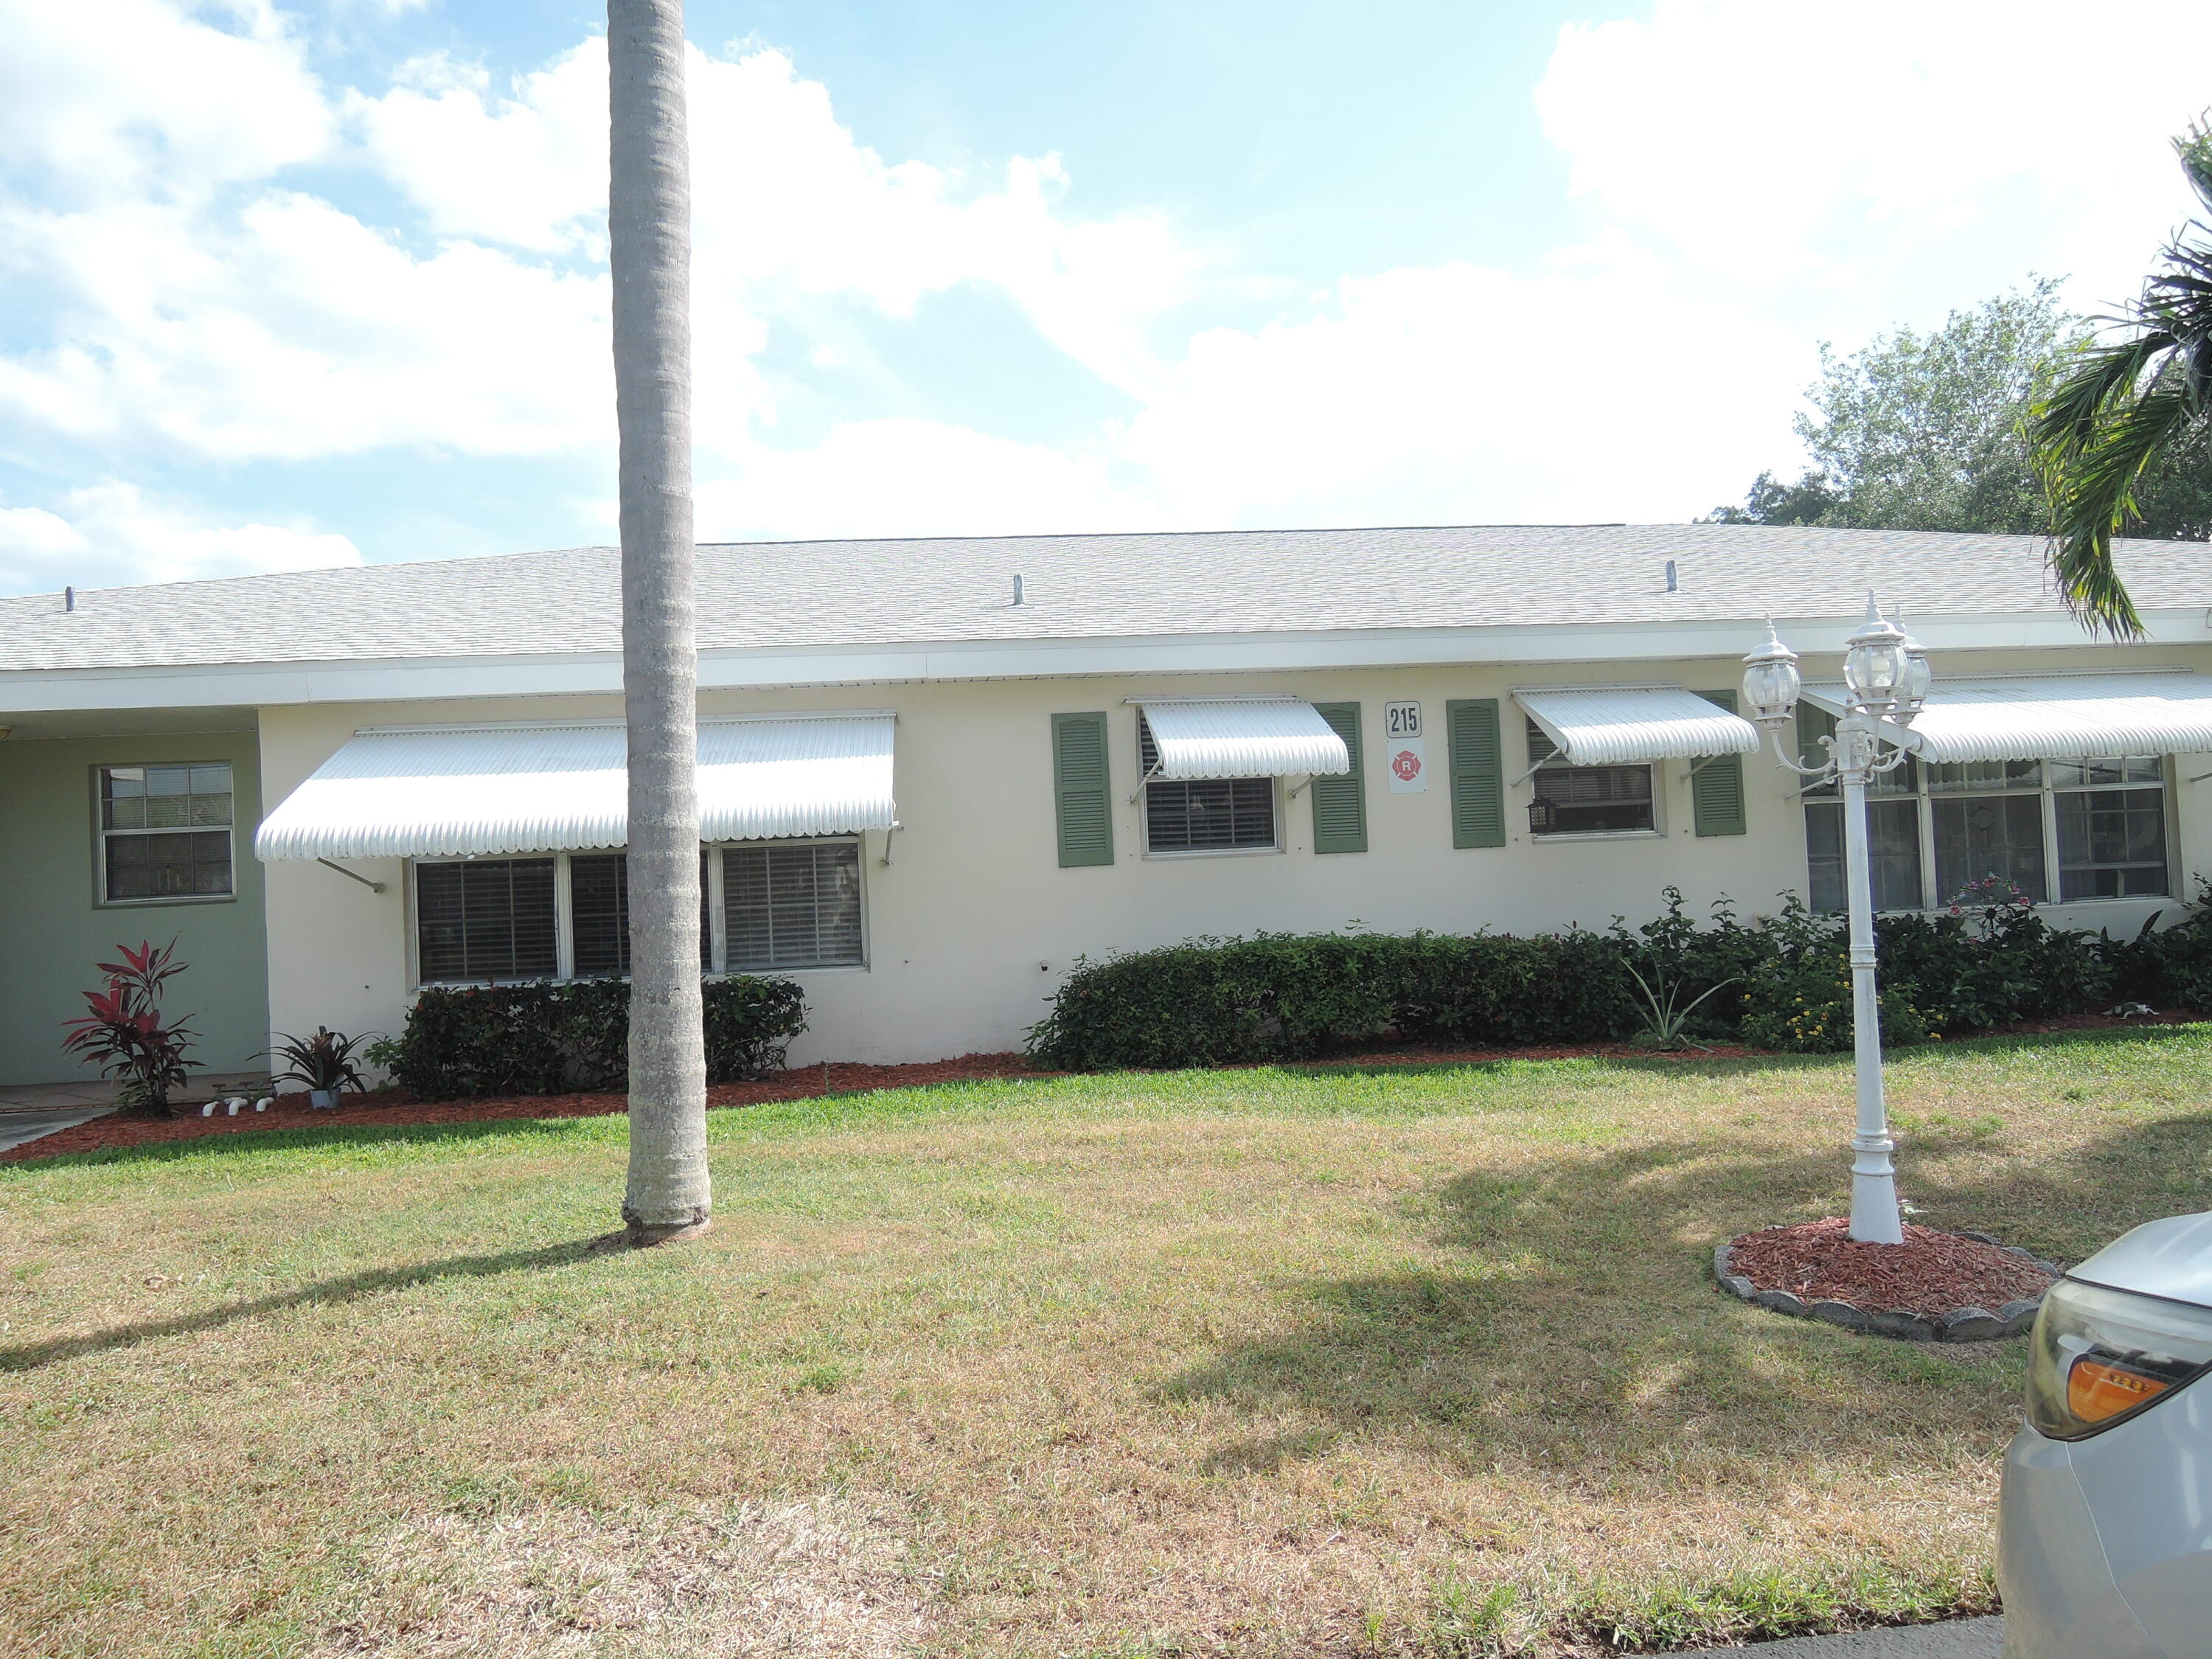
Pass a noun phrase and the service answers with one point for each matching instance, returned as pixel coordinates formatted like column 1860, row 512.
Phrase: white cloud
column 108, row 535
column 106, row 100
column 912, row 478
column 1939, row 144
column 290, row 330
column 1588, row 392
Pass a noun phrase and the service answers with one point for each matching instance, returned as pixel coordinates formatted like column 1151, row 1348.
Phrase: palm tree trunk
column 649, row 249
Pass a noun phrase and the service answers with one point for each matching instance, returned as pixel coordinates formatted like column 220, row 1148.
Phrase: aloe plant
column 1667, row 1025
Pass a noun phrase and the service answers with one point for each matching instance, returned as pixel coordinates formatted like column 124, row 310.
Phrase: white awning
column 479, row 791
column 2058, row 717
column 1241, row 737
column 1620, row 725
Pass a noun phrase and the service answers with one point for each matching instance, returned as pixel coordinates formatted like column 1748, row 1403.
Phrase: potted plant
column 125, row 1035
column 324, row 1062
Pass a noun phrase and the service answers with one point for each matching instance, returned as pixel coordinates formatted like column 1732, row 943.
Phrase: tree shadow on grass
column 353, row 1287
column 1583, row 1331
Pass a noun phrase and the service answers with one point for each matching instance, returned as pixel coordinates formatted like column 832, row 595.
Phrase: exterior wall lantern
column 1886, row 679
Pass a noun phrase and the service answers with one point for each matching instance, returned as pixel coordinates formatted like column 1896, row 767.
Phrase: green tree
column 2120, row 434
column 1922, row 431
column 1930, row 432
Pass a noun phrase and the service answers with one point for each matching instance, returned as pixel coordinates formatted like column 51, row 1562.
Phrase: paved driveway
column 1961, row 1639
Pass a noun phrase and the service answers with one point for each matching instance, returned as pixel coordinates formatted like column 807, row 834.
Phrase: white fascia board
column 276, row 684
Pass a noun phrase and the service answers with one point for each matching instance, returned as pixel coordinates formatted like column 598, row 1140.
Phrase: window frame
column 564, row 916
column 718, row 913
column 1925, row 793
column 1276, row 805
column 100, row 834
column 1655, row 783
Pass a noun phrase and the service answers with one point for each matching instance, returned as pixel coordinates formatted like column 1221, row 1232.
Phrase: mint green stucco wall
column 53, row 926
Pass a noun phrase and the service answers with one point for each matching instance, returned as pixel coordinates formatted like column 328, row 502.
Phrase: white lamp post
column 1887, row 676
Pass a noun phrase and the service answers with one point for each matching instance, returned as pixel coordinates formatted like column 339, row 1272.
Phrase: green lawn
column 1261, row 1362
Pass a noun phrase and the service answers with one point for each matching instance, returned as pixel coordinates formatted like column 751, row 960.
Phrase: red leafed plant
column 125, row 1035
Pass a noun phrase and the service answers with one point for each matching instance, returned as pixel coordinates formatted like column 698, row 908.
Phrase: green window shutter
column 1717, row 784
column 1478, row 772
column 1339, row 804
column 1084, row 801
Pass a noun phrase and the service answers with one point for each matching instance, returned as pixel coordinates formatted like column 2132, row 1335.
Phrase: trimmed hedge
column 1284, row 996
column 552, row 1038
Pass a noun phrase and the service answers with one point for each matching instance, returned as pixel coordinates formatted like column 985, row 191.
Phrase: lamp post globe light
column 1886, row 679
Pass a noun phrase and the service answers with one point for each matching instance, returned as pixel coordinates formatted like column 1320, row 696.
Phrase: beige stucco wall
column 973, row 922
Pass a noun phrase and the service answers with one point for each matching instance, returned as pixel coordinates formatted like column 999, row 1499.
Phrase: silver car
column 2105, row 1529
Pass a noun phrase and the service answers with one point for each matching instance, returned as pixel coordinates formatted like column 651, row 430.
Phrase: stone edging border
column 1960, row 1325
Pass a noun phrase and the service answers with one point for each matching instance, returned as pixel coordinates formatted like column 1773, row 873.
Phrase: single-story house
column 936, row 772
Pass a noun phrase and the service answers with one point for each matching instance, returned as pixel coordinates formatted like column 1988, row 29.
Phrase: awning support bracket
column 891, row 830
column 372, row 886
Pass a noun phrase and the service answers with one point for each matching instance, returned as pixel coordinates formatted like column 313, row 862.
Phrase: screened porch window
column 2099, row 825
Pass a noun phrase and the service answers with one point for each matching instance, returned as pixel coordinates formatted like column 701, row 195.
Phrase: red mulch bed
column 807, row 1082
column 291, row 1111
column 1930, row 1274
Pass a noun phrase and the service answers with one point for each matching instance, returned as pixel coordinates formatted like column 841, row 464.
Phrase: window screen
column 2112, row 841
column 793, row 905
column 599, row 915
column 1978, row 836
column 1585, row 801
column 490, row 920
column 1893, row 843
column 1203, row 815
column 165, row 831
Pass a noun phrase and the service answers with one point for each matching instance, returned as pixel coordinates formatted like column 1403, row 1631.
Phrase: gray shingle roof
column 883, row 592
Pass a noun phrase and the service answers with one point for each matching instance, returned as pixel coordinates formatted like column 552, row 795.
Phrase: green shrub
column 1282, row 996
column 551, row 1038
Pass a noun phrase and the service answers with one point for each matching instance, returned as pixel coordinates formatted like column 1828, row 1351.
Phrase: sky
column 286, row 286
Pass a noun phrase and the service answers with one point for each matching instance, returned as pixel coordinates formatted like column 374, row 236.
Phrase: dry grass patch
column 1418, row 1362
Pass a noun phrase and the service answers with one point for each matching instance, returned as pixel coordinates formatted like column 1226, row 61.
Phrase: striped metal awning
column 1621, row 725
column 2055, row 716
column 1241, row 737
column 480, row 791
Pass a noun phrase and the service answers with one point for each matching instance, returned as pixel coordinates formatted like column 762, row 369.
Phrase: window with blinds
column 1203, row 815
column 566, row 915
column 489, row 918
column 1585, row 801
column 164, row 832
column 792, row 905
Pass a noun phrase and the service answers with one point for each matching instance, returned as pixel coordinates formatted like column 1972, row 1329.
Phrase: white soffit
column 479, row 791
column 2059, row 717
column 1620, row 725
column 1241, row 737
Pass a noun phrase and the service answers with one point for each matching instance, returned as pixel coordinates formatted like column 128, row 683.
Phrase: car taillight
column 2099, row 1356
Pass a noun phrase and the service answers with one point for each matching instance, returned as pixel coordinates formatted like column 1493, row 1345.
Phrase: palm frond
column 2194, row 148
column 2093, row 494
column 2064, row 420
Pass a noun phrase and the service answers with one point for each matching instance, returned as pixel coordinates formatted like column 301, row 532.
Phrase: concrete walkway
column 1959, row 1639
column 18, row 1127
column 29, row 1110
